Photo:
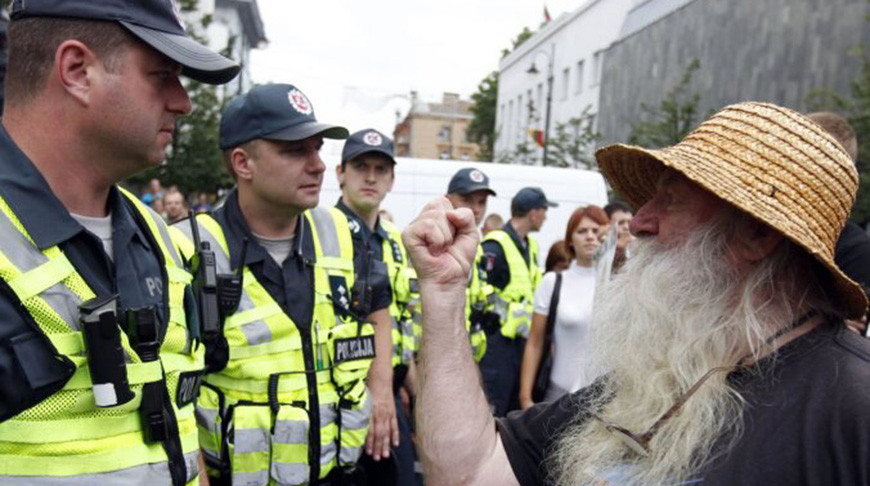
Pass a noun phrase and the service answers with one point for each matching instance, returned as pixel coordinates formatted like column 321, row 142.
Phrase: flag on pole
column 547, row 17
column 537, row 136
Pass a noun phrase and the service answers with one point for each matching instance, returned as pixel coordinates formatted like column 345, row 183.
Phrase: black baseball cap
column 469, row 180
column 157, row 23
column 272, row 112
column 529, row 198
column 365, row 141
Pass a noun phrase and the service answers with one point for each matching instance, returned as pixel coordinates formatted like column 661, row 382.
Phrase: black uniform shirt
column 136, row 274
column 366, row 241
column 494, row 262
column 805, row 421
column 290, row 284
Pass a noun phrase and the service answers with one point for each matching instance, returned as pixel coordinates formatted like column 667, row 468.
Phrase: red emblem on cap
column 476, row 176
column 299, row 102
column 373, row 138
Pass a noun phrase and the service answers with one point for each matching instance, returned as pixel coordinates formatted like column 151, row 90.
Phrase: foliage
column 570, row 145
column 572, row 142
column 523, row 36
column 672, row 119
column 194, row 162
column 856, row 108
column 481, row 130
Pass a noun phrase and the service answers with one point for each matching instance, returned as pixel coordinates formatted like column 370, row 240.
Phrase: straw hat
column 771, row 162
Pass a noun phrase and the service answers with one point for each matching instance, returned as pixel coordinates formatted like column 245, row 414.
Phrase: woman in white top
column 571, row 370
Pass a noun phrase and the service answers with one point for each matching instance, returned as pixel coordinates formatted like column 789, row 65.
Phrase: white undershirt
column 571, row 368
column 278, row 248
column 100, row 227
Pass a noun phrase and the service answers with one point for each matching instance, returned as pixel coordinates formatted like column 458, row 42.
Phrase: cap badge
column 476, row 176
column 177, row 12
column 373, row 138
column 299, row 102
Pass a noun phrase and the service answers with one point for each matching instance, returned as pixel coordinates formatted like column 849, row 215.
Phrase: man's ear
column 756, row 243
column 77, row 68
column 242, row 164
column 339, row 174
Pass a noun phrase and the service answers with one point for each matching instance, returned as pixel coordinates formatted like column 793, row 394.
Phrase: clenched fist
column 441, row 242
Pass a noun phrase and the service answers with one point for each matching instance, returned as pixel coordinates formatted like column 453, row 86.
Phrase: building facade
column 772, row 50
column 233, row 27
column 436, row 130
column 570, row 47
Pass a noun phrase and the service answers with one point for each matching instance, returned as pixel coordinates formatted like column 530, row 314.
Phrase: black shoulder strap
column 554, row 304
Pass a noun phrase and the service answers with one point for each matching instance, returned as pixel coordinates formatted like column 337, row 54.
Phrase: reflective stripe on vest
column 514, row 302
column 67, row 439
column 264, row 341
column 403, row 299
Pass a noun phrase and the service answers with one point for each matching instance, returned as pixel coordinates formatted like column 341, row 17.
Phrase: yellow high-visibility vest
column 66, row 438
column 263, row 399
column 514, row 303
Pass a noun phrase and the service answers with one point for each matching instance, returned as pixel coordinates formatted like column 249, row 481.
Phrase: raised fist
column 442, row 242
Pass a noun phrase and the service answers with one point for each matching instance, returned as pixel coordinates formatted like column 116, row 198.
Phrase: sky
column 357, row 61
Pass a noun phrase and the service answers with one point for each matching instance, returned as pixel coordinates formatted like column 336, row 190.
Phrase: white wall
column 576, row 36
column 418, row 181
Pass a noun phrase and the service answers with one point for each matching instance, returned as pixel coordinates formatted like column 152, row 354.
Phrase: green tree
column 194, row 162
column 674, row 117
column 481, row 129
column 856, row 108
column 523, row 36
column 572, row 142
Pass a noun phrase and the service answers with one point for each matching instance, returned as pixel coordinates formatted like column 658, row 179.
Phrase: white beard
column 671, row 315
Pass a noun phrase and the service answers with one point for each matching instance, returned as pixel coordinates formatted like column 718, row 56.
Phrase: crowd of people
column 708, row 330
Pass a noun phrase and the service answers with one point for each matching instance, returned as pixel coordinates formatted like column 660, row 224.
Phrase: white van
column 418, row 181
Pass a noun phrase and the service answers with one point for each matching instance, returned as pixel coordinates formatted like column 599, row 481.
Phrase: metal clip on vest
column 106, row 361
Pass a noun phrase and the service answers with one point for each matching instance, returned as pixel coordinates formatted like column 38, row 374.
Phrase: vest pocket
column 354, row 420
column 351, row 350
column 250, row 443
column 290, row 465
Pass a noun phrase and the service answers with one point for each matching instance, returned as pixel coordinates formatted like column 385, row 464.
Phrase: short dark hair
column 33, row 43
column 251, row 148
column 839, row 128
column 517, row 211
column 617, row 205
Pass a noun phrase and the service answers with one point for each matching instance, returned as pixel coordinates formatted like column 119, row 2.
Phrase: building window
column 464, row 156
column 566, row 80
column 596, row 68
column 578, row 88
column 520, row 118
column 444, row 133
column 445, row 155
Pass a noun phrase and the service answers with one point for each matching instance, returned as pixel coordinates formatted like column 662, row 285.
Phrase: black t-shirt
column 852, row 253
column 806, row 420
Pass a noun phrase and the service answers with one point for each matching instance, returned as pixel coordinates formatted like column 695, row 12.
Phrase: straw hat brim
column 633, row 172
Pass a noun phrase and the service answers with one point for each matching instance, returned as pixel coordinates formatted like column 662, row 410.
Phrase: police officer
column 366, row 175
column 288, row 403
column 469, row 188
column 511, row 264
column 98, row 370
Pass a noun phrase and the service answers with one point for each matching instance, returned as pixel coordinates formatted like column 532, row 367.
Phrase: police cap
column 272, row 112
column 158, row 23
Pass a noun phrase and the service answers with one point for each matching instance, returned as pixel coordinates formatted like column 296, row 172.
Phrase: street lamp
column 534, row 70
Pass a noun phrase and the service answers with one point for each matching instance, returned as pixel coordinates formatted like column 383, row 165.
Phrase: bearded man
column 722, row 339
